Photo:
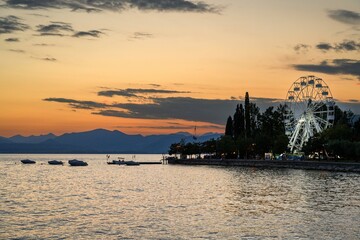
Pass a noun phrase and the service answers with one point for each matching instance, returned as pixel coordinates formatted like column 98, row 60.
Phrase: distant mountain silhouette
column 96, row 141
column 5, row 140
column 31, row 139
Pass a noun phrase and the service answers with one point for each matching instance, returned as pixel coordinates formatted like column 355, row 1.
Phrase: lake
column 103, row 201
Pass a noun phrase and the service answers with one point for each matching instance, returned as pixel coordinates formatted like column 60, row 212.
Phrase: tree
column 236, row 122
column 227, row 147
column 356, row 133
column 254, row 116
column 247, row 115
column 239, row 122
column 229, row 127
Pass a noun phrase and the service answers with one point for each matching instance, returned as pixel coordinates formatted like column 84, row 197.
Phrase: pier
column 149, row 163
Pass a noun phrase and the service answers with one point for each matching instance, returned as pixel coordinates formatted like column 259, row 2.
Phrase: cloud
column 50, row 59
column 77, row 104
column 345, row 45
column 213, row 111
column 11, row 24
column 175, row 127
column 324, row 46
column 91, row 33
column 337, row 66
column 43, row 45
column 133, row 92
column 62, row 29
column 17, row 50
column 11, row 40
column 302, row 48
column 155, row 85
column 54, row 29
column 345, row 16
column 116, row 5
column 186, row 108
column 141, row 35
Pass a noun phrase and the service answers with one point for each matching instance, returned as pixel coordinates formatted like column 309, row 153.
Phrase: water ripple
column 173, row 202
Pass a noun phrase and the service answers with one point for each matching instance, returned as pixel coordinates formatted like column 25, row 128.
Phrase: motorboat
column 132, row 163
column 76, row 162
column 55, row 162
column 28, row 161
column 120, row 161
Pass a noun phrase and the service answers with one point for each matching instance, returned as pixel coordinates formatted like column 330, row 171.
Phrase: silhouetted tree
column 229, row 127
column 239, row 122
column 247, row 115
column 236, row 122
column 227, row 147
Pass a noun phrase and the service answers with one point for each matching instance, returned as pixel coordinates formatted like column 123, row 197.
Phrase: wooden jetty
column 149, row 163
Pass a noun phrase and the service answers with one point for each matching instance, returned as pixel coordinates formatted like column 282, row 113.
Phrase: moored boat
column 55, row 162
column 28, row 161
column 76, row 162
column 132, row 163
column 121, row 161
column 118, row 162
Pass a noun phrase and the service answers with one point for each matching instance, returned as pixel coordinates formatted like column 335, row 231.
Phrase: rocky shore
column 308, row 165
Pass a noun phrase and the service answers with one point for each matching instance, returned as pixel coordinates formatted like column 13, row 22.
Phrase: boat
column 131, row 163
column 27, row 161
column 120, row 161
column 76, row 162
column 55, row 162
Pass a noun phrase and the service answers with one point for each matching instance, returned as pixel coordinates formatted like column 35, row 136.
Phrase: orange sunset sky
column 148, row 67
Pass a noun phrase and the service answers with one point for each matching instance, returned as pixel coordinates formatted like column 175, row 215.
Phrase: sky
column 160, row 66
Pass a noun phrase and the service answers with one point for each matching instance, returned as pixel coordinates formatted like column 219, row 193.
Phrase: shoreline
column 305, row 165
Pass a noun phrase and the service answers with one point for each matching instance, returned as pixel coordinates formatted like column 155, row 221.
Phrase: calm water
column 103, row 201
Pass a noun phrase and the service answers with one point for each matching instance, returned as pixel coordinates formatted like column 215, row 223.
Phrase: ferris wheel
column 309, row 109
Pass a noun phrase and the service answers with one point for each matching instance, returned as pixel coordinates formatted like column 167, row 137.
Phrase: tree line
column 250, row 133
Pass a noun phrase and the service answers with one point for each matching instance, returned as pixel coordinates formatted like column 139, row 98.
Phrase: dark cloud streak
column 141, row 35
column 337, row 66
column 12, row 40
column 91, row 33
column 77, row 104
column 186, row 108
column 55, row 29
column 301, row 48
column 133, row 92
column 345, row 16
column 213, row 111
column 324, row 46
column 116, row 5
column 11, row 24
column 346, row 45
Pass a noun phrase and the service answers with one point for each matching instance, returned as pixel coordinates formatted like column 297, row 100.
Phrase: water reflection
column 174, row 202
column 303, row 203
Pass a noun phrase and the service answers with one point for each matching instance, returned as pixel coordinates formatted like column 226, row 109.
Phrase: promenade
column 308, row 165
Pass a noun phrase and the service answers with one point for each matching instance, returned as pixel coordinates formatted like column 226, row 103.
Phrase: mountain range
column 96, row 141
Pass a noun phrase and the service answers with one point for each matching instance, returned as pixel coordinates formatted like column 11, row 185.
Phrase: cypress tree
column 229, row 127
column 242, row 119
column 236, row 120
column 247, row 115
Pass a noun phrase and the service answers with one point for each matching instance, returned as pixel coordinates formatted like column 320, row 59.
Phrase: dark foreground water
column 103, row 201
